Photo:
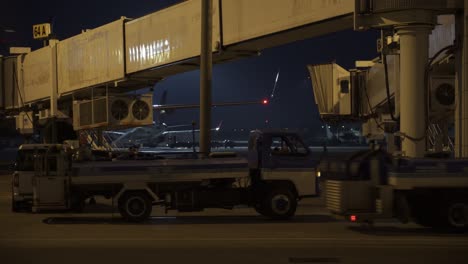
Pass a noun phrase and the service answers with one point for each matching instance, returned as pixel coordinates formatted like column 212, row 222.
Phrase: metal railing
column 437, row 138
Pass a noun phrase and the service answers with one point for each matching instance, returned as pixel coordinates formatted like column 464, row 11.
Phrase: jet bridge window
column 344, row 86
column 288, row 145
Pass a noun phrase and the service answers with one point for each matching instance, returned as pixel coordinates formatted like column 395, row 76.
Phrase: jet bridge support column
column 414, row 43
column 206, row 65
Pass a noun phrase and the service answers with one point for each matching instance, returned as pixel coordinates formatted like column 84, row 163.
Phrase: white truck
column 278, row 172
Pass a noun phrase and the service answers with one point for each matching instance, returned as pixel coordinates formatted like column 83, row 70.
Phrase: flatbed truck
column 278, row 171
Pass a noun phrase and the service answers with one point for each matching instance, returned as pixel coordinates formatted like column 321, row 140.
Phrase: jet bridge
column 410, row 91
column 129, row 54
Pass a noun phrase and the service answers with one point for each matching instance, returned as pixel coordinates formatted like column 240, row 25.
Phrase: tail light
column 353, row 218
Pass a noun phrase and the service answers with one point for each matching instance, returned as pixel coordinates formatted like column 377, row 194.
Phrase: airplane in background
column 169, row 108
column 185, row 138
column 161, row 134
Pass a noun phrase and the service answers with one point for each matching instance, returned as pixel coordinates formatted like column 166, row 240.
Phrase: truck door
column 50, row 183
column 286, row 157
column 24, row 168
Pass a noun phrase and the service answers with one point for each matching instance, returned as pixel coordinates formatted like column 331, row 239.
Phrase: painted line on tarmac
column 399, row 242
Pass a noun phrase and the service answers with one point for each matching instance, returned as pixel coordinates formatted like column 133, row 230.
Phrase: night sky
column 246, row 79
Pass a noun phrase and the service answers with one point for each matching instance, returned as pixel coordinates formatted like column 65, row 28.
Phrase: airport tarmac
column 215, row 236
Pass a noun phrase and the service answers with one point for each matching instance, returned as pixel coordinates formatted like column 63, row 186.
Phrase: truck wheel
column 135, row 206
column 280, row 204
column 456, row 214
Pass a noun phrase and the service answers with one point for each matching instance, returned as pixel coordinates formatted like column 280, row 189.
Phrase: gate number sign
column 41, row 31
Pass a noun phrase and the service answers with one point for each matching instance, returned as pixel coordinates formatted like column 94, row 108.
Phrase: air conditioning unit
column 142, row 109
column 442, row 94
column 113, row 112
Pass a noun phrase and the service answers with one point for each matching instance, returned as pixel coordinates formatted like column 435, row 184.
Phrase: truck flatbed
column 413, row 180
column 428, row 173
column 162, row 170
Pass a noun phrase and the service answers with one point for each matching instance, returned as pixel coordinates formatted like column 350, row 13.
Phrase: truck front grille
column 334, row 201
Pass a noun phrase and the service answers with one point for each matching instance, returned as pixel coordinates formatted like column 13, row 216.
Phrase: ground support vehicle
column 277, row 173
column 22, row 188
column 371, row 186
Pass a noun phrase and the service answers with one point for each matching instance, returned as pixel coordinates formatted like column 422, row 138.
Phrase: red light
column 353, row 218
column 265, row 101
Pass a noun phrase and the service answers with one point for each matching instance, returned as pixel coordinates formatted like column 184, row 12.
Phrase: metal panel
column 250, row 19
column 92, row 58
column 443, row 34
column 24, row 122
column 167, row 36
column 376, row 80
column 341, row 196
column 394, row 5
column 100, row 111
column 11, row 82
column 326, row 82
column 344, row 97
column 37, row 66
column 85, row 114
column 19, row 50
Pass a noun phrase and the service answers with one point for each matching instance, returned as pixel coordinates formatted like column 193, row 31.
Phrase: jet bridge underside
column 130, row 54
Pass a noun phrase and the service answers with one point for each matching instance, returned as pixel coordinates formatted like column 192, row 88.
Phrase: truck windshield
column 25, row 159
column 288, row 145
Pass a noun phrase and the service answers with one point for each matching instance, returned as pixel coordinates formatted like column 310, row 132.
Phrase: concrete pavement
column 216, row 236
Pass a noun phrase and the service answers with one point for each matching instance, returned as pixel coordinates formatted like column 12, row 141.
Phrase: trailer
column 278, row 171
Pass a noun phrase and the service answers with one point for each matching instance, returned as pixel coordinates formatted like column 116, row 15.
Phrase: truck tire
column 455, row 214
column 279, row 204
column 135, row 206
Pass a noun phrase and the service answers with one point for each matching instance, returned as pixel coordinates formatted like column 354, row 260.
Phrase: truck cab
column 281, row 155
column 24, row 171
